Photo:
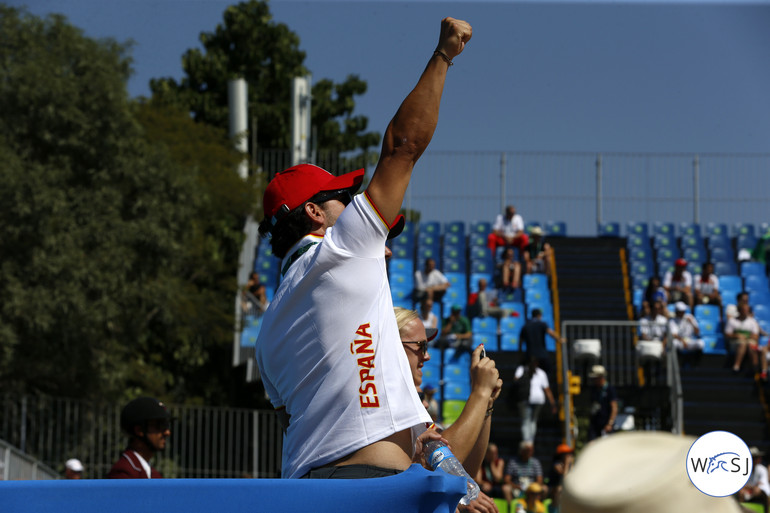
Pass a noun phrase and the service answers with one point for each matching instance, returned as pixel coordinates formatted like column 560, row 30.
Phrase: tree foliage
column 119, row 226
column 249, row 44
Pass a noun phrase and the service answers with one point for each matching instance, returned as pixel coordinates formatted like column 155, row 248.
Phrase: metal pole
column 23, row 434
column 598, row 189
column 503, row 172
column 696, row 189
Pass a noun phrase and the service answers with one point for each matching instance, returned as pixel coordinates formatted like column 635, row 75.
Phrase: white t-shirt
column 708, row 286
column 685, row 280
column 509, row 227
column 537, row 385
column 759, row 478
column 435, row 277
column 653, row 328
column 683, row 326
column 329, row 349
column 747, row 326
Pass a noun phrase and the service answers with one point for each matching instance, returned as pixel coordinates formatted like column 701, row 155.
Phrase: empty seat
column 425, row 252
column 451, row 410
column 477, row 240
column 455, row 228
column 752, row 268
column 721, row 254
column 721, row 268
column 482, row 228
column 694, row 255
column 456, row 265
column 454, row 240
column 515, row 308
column 510, row 324
column 556, row 229
column 608, row 229
column 743, row 229
column 745, row 242
column 529, row 225
column 667, row 254
column 509, row 342
column 719, row 241
column 755, row 282
column 430, row 227
column 639, row 228
column 714, row 344
column 402, row 280
column 488, row 340
column 689, row 229
column 663, row 228
column 484, row 325
column 665, row 241
column 713, row 228
column 405, row 265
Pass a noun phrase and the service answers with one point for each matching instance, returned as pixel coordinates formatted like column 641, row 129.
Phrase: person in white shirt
column 430, row 282
column 684, row 329
column 757, row 488
column 652, row 325
column 533, row 390
column 508, row 230
column 428, row 318
column 329, row 352
column 706, row 287
column 742, row 333
column 678, row 283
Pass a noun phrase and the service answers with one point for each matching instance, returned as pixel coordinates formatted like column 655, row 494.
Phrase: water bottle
column 439, row 456
column 520, row 508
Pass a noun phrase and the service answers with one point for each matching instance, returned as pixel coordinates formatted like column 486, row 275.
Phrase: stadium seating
column 665, row 241
column 689, row 229
column 663, row 228
column 488, row 340
column 455, row 228
column 484, row 325
column 482, row 228
column 752, row 268
column 638, row 228
column 608, row 229
column 745, row 242
column 713, row 228
column 556, row 229
column 714, row 344
column 529, row 225
column 509, row 342
column 743, row 229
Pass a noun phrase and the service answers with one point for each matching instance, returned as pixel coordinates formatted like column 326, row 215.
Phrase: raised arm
column 411, row 129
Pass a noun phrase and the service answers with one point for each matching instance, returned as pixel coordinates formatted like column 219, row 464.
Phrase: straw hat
column 638, row 472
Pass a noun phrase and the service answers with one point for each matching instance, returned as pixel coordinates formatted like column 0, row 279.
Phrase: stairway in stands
column 717, row 400
column 590, row 278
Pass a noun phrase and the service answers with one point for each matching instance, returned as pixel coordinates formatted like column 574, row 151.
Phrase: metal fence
column 15, row 465
column 206, row 442
column 625, row 368
column 580, row 188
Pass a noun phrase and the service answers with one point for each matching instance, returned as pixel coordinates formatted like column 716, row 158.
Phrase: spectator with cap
column 456, row 329
column 641, row 471
column 328, row 351
column 604, row 404
column 742, row 333
column 73, row 469
column 685, row 334
column 532, row 502
column 537, row 253
column 678, row 283
column 147, row 423
column 561, row 464
column 757, row 488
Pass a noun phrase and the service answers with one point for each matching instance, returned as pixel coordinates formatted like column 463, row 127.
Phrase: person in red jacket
column 148, row 424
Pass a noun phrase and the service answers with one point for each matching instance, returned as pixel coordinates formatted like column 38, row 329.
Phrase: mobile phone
column 483, row 353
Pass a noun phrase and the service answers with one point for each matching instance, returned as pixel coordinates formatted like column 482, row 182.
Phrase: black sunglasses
column 422, row 345
column 343, row 196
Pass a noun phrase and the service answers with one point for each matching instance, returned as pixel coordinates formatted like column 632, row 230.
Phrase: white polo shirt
column 509, row 227
column 329, row 349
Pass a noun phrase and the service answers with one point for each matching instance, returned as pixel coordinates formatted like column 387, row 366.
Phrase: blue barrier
column 415, row 490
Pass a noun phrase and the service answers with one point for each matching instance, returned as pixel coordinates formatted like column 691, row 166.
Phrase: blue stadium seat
column 640, row 280
column 719, row 241
column 454, row 356
column 428, row 239
column 402, row 295
column 755, row 282
column 482, row 228
column 431, row 370
column 761, row 311
column 510, row 324
column 743, row 229
column 404, row 265
column 269, row 265
column 489, row 340
column 728, row 267
column 638, row 297
column 482, row 266
column 608, row 229
column 689, row 229
column 402, row 242
column 455, row 228
column 713, row 228
column 430, row 227
column 510, row 295
column 473, row 280
column 456, row 390
column 529, row 225
column 482, row 253
column 694, row 255
column 535, row 280
column 721, row 254
column 402, row 252
column 692, row 241
column 509, row 342
column 457, row 280
column 664, row 266
column 251, row 332
column 484, row 325
column 402, row 280
column 667, row 254
column 477, row 240
column 454, row 252
column 514, row 307
column 640, row 254
column 641, row 267
column 556, row 229
column 537, row 295
column 425, row 252
column 453, row 265
column 752, row 268
column 545, row 308
column 264, row 250
column 455, row 296
column 454, row 240
column 639, row 228
column 665, row 241
column 714, row 344
column 695, row 268
column 663, row 228
column 745, row 242
column 637, row 241
column 759, row 297
column 707, row 313
column 731, row 281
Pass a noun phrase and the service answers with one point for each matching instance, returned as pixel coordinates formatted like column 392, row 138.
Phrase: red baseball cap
column 680, row 262
column 294, row 186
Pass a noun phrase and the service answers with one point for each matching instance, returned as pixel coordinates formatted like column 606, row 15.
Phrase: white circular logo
column 719, row 463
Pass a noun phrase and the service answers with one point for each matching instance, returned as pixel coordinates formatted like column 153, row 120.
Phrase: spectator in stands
column 533, row 389
column 652, row 324
column 524, row 469
column 428, row 318
column 431, row 404
column 706, row 288
column 561, row 464
column 469, row 434
column 757, row 488
column 73, row 469
column 537, row 253
column 147, row 423
column 346, row 421
column 678, row 283
column 532, row 502
column 685, row 334
column 508, row 230
column 604, row 404
column 655, row 291
column 742, row 333
column 491, row 475
column 456, row 329
column 254, row 298
column 484, row 302
column 508, row 271
column 429, row 282
column 532, row 336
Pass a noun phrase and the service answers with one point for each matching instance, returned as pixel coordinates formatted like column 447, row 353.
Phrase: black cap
column 140, row 410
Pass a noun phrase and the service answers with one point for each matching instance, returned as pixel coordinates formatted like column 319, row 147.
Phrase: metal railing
column 205, row 441
column 15, row 465
column 624, row 367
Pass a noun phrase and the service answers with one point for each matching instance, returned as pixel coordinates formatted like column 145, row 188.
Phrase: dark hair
column 536, row 312
column 292, row 227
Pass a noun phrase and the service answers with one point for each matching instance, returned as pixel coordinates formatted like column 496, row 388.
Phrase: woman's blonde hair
column 403, row 317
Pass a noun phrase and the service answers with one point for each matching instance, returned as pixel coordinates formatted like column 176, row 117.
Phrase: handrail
column 15, row 465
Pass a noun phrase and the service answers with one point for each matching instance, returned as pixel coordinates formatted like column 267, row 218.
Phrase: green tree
column 116, row 244
column 266, row 54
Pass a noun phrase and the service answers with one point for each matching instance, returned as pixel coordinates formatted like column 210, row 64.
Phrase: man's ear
column 316, row 214
column 138, row 431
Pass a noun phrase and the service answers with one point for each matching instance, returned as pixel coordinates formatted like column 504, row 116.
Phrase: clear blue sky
column 619, row 76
